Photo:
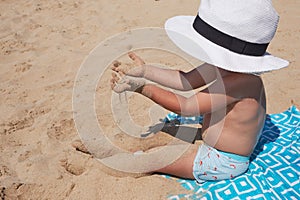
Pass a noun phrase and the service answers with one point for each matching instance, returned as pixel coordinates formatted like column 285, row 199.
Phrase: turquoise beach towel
column 274, row 170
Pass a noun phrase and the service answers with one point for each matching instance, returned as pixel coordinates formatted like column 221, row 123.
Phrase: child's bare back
column 236, row 127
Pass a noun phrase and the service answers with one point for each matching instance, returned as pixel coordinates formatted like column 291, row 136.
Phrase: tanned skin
column 233, row 105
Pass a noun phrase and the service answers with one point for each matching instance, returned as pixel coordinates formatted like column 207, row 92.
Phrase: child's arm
column 170, row 78
column 200, row 103
column 180, row 80
column 209, row 100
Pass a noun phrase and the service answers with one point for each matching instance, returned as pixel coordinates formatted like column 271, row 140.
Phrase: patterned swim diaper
column 211, row 164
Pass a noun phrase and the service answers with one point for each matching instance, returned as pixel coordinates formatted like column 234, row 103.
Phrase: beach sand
column 42, row 48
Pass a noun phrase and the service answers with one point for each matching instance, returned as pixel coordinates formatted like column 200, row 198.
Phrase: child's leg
column 183, row 166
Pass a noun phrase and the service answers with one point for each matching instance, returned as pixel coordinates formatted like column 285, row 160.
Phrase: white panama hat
column 230, row 34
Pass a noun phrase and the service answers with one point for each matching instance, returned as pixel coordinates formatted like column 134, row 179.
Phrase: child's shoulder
column 243, row 78
column 243, row 85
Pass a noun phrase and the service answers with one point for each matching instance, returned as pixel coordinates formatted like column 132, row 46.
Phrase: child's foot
column 137, row 70
column 126, row 83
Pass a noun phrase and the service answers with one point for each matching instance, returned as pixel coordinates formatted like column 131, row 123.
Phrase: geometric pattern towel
column 274, row 168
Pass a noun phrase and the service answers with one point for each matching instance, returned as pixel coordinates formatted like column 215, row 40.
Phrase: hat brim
column 180, row 30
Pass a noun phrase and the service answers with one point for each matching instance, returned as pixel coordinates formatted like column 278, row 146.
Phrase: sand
column 43, row 45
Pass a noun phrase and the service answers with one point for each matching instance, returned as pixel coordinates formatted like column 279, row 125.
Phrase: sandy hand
column 136, row 71
column 126, row 83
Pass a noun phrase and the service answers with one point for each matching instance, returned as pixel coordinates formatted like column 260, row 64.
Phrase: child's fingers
column 115, row 77
column 136, row 58
column 121, row 73
column 114, row 80
column 131, row 55
column 115, row 65
column 112, row 84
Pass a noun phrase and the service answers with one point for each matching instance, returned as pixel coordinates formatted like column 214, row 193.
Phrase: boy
column 224, row 35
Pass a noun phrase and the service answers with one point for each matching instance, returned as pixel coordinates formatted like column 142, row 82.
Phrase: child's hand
column 137, row 70
column 126, row 83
